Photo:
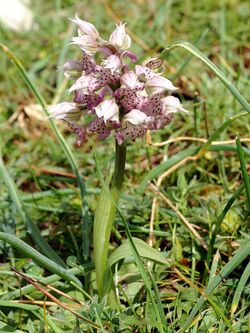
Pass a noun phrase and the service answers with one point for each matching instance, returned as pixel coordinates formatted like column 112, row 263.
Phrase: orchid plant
column 126, row 100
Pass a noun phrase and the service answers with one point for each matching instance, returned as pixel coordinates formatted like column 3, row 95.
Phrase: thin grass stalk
column 242, row 253
column 66, row 149
column 30, row 252
column 198, row 54
column 244, row 170
column 32, row 228
column 219, row 220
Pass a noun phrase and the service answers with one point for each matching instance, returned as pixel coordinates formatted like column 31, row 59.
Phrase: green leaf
column 5, row 328
column 198, row 54
column 31, row 227
column 241, row 284
column 165, row 166
column 244, row 170
column 10, row 304
column 38, row 257
column 234, row 262
column 149, row 283
column 144, row 250
column 64, row 146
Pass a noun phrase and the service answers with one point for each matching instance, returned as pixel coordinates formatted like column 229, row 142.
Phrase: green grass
column 49, row 188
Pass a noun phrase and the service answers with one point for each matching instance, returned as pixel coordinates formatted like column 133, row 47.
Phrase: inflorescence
column 122, row 100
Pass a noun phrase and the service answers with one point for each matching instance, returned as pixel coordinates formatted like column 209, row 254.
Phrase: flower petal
column 130, row 80
column 119, row 38
column 144, row 73
column 107, row 109
column 86, row 43
column 158, row 84
column 136, row 117
column 113, row 62
column 81, row 84
column 172, row 104
column 66, row 111
column 86, row 27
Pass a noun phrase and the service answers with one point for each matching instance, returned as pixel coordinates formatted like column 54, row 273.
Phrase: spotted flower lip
column 118, row 98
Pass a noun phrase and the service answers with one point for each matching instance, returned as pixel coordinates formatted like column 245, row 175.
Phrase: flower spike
column 121, row 100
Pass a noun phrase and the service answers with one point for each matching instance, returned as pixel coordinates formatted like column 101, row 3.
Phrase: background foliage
column 202, row 189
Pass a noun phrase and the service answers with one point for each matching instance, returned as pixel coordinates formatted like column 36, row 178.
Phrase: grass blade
column 198, row 54
column 66, row 149
column 38, row 257
column 189, row 58
column 31, row 227
column 241, row 284
column 177, row 158
column 219, row 220
column 244, row 170
column 235, row 261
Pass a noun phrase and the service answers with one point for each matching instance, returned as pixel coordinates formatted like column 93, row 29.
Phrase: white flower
column 119, row 38
column 108, row 109
column 16, row 15
column 130, row 80
column 66, row 111
column 86, row 43
column 172, row 104
column 136, row 117
column 86, row 28
column 158, row 84
column 81, row 84
column 113, row 62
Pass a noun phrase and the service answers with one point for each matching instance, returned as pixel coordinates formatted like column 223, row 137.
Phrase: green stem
column 120, row 159
column 104, row 219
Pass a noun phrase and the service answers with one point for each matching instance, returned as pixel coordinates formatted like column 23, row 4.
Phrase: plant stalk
column 104, row 219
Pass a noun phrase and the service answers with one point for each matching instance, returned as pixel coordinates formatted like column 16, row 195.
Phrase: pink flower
column 120, row 99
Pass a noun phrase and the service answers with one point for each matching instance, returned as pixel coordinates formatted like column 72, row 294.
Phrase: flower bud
column 86, row 28
column 155, row 64
column 119, row 38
